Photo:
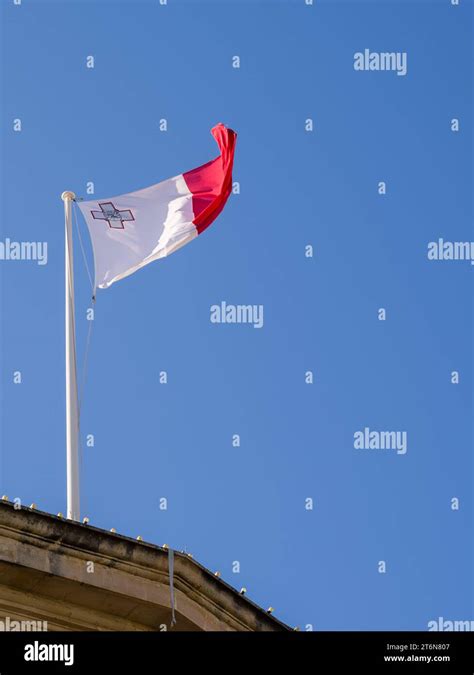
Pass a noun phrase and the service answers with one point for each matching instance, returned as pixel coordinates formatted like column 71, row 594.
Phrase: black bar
column 404, row 652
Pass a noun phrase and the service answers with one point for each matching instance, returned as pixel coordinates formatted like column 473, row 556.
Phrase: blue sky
column 317, row 567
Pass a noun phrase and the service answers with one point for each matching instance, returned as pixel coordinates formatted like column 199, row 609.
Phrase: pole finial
column 68, row 195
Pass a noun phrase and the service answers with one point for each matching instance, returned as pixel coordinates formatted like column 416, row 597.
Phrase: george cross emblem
column 112, row 215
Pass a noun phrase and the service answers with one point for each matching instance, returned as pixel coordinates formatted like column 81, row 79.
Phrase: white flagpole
column 72, row 417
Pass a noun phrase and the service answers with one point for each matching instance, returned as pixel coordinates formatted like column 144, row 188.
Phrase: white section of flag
column 162, row 222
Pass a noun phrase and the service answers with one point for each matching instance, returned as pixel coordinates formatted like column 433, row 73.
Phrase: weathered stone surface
column 44, row 562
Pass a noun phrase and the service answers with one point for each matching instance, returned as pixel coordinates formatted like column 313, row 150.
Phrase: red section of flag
column 211, row 184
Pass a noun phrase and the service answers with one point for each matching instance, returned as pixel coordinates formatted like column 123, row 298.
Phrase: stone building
column 78, row 577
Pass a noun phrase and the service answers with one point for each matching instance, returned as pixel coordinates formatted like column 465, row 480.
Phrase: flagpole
column 72, row 417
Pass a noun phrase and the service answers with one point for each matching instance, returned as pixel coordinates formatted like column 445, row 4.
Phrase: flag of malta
column 132, row 230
